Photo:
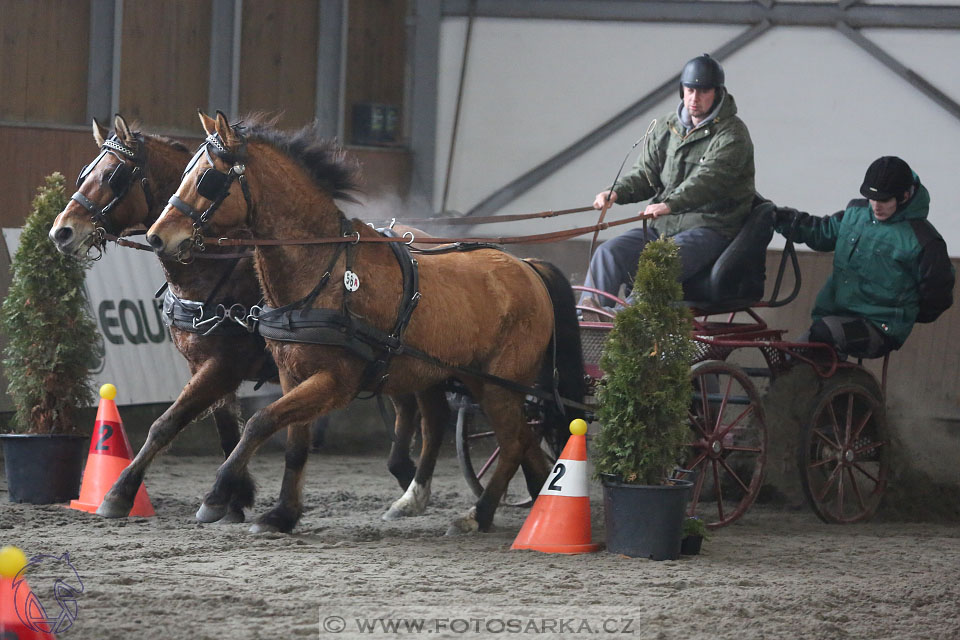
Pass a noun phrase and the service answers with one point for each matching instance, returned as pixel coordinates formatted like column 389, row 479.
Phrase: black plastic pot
column 645, row 521
column 690, row 545
column 45, row 468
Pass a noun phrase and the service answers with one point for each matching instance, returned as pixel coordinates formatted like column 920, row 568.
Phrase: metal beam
column 102, row 84
column 901, row 70
column 424, row 50
column 506, row 194
column 817, row 14
column 225, row 35
column 330, row 57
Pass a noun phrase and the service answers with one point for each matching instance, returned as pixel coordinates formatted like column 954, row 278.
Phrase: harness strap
column 193, row 316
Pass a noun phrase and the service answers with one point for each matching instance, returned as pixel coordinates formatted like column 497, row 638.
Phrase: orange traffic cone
column 560, row 519
column 17, row 602
column 110, row 453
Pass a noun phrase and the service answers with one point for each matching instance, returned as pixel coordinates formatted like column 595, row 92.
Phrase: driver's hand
column 657, row 209
column 604, row 197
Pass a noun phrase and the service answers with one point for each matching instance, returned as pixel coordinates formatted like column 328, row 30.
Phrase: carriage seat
column 736, row 279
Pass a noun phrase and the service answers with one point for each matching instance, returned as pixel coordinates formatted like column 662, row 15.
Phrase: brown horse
column 126, row 187
column 481, row 313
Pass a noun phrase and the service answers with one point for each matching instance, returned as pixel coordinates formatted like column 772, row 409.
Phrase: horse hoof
column 208, row 513
column 259, row 527
column 233, row 516
column 114, row 509
column 393, row 514
column 465, row 525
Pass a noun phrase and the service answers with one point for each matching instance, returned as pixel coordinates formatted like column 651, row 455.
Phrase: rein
column 491, row 219
column 410, row 238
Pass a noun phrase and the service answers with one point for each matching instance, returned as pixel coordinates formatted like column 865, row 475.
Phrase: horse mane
column 322, row 158
column 170, row 142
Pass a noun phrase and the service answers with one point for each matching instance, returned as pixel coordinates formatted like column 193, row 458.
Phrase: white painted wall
column 818, row 107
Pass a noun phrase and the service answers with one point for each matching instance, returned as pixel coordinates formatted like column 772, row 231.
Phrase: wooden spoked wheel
column 728, row 448
column 844, row 453
column 478, row 452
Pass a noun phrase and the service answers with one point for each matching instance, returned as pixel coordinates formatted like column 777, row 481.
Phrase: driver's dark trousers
column 615, row 261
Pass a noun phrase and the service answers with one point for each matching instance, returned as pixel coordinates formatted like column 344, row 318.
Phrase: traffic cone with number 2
column 560, row 519
column 110, row 453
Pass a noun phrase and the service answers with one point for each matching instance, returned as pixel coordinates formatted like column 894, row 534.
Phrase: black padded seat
column 736, row 279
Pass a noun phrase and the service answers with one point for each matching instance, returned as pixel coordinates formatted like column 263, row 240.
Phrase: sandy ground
column 773, row 574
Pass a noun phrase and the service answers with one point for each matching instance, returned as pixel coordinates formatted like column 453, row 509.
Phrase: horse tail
column 571, row 381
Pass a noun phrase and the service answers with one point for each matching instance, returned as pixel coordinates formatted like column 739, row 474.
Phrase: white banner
column 138, row 354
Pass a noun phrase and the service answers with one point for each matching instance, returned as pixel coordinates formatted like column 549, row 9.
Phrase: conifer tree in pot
column 643, row 400
column 51, row 343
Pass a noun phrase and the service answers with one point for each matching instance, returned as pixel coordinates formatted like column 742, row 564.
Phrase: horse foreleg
column 435, row 414
column 289, row 507
column 318, row 394
column 504, row 410
column 211, row 381
column 399, row 462
column 226, row 417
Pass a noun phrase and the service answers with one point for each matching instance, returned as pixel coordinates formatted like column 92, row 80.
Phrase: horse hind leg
column 504, row 410
column 435, row 415
column 399, row 462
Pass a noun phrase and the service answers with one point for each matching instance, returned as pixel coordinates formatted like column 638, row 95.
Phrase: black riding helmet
column 887, row 177
column 703, row 72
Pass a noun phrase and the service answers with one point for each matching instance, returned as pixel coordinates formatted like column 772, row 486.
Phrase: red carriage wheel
column 478, row 452
column 844, row 453
column 729, row 442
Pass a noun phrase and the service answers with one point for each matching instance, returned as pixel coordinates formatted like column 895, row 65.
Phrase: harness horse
column 339, row 319
column 125, row 187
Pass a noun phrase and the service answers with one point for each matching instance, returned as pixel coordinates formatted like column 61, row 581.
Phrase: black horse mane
column 322, row 158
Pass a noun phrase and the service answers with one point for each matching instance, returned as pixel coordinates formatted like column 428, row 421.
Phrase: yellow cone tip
column 578, row 427
column 12, row 560
column 108, row 392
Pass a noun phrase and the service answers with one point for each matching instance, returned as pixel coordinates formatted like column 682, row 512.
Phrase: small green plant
column 644, row 395
column 693, row 527
column 51, row 338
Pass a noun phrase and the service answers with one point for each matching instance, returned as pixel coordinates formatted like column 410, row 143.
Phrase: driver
column 696, row 164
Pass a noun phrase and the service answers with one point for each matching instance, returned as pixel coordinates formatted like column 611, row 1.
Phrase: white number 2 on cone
column 567, row 478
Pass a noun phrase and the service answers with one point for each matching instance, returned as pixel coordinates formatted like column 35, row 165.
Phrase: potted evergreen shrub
column 51, row 343
column 692, row 535
column 643, row 401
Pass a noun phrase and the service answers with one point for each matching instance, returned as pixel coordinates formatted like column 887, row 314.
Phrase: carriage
column 843, row 447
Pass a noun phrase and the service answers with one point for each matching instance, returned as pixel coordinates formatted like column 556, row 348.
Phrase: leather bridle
column 214, row 185
column 121, row 179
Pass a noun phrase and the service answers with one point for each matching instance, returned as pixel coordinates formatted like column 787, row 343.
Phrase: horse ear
column 123, row 131
column 224, row 130
column 209, row 124
column 100, row 132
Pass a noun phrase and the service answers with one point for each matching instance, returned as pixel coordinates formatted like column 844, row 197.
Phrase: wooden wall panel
column 36, row 153
column 279, row 59
column 376, row 56
column 165, row 69
column 43, row 58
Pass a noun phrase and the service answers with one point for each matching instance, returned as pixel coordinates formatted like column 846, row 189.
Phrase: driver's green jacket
column 705, row 176
column 893, row 273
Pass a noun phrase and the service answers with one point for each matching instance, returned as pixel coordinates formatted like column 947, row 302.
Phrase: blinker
column 119, row 180
column 212, row 184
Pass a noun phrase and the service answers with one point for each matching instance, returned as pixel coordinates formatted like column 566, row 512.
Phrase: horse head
column 112, row 192
column 205, row 189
